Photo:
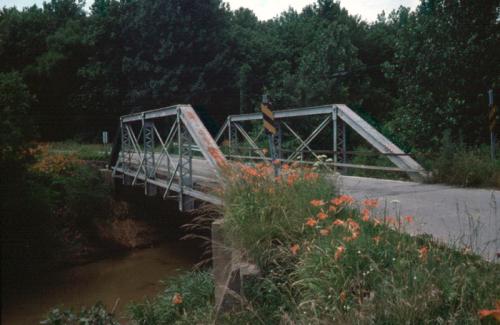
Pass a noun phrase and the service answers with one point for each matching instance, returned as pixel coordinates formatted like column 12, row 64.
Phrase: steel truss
column 335, row 116
column 169, row 166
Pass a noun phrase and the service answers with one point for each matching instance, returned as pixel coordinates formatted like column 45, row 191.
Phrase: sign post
column 271, row 131
column 105, row 142
column 492, row 123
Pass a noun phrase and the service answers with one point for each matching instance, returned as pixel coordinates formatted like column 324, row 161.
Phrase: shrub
column 95, row 315
column 187, row 299
column 458, row 164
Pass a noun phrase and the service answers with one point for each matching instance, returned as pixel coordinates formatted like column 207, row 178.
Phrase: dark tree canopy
column 414, row 74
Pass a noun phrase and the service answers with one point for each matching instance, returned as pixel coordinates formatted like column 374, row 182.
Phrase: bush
column 95, row 315
column 458, row 164
column 187, row 299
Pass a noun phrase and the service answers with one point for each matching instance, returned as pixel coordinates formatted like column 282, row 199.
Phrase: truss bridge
column 169, row 151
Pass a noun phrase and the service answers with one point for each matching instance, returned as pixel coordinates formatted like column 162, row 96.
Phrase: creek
column 119, row 279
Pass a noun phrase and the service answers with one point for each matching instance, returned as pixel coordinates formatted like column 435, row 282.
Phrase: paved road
column 457, row 216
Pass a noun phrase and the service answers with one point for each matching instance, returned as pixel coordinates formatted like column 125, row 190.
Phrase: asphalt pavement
column 461, row 217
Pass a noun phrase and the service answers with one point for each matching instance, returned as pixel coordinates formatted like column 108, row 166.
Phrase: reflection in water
column 129, row 277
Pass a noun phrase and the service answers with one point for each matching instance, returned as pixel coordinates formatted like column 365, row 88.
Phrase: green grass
column 384, row 283
column 197, row 292
column 82, row 151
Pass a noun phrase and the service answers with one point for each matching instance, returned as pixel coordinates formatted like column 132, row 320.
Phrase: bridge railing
column 294, row 147
column 157, row 149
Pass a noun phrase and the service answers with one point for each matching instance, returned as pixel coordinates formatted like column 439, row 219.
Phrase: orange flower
column 321, row 215
column 422, row 252
column 365, row 215
column 177, row 299
column 291, row 178
column 317, row 203
column 311, row 176
column 376, row 222
column 342, row 297
column 336, row 201
column 376, row 239
column 352, row 225
column 324, row 232
column 338, row 252
column 495, row 313
column 311, row 222
column 347, row 199
column 409, row 219
column 338, row 222
column 294, row 249
column 332, row 208
column 354, row 235
column 370, row 203
column 276, row 162
column 285, row 167
column 250, row 171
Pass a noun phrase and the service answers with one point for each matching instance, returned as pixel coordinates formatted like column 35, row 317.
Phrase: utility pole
column 492, row 122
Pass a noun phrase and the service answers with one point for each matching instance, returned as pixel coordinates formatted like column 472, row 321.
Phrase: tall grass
column 328, row 259
column 458, row 164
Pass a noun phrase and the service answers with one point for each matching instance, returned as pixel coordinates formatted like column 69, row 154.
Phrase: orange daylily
column 311, row 222
column 332, row 208
column 311, row 176
column 370, row 203
column 352, row 225
column 365, row 215
column 347, row 199
column 291, row 178
column 294, row 249
column 336, row 201
column 409, row 219
column 422, row 252
column 338, row 252
column 495, row 313
column 338, row 222
column 324, row 232
column 342, row 297
column 317, row 203
column 354, row 235
column 321, row 215
column 177, row 299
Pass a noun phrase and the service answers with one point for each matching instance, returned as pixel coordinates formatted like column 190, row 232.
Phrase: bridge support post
column 148, row 134
column 339, row 141
column 126, row 152
column 186, row 203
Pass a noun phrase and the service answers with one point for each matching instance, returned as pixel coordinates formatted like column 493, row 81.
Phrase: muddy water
column 124, row 278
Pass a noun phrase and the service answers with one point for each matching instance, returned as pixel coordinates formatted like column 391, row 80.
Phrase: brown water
column 125, row 278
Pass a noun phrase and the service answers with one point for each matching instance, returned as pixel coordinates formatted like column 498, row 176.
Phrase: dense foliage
column 416, row 73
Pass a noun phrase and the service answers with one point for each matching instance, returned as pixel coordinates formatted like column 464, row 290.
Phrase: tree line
column 65, row 72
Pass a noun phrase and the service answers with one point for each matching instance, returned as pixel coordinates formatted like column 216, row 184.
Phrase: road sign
column 268, row 117
column 493, row 118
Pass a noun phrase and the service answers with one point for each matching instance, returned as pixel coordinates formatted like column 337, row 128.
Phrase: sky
column 266, row 9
